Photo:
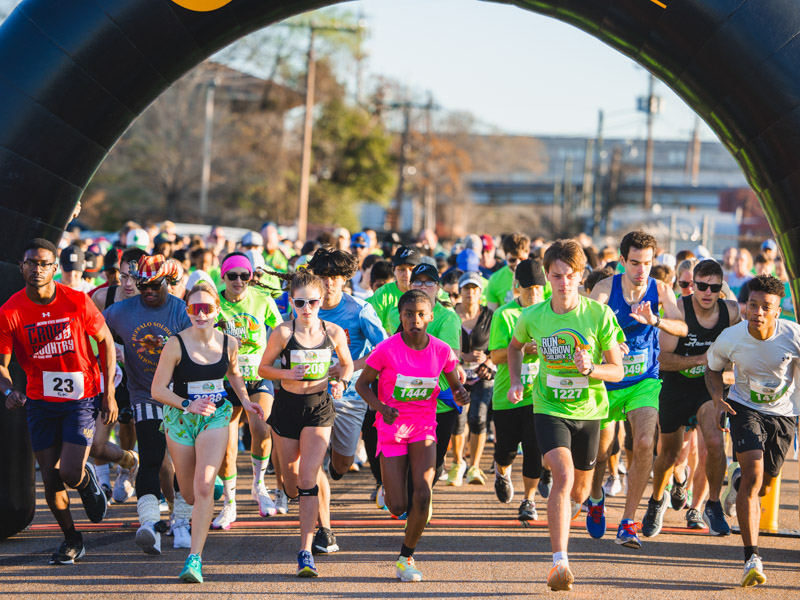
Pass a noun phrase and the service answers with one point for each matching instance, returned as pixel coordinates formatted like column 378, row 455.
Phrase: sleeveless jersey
column 193, row 380
column 318, row 359
column 641, row 362
column 692, row 381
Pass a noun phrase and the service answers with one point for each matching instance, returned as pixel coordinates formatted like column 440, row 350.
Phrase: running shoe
column 576, row 509
column 305, row 564
column 475, row 476
column 192, row 569
column 596, row 518
column 281, row 502
column 124, row 483
column 694, row 520
column 225, row 517
column 270, row 467
column 94, row 500
column 753, row 572
column 678, row 493
column 380, row 501
column 68, row 552
column 148, row 539
column 714, row 517
column 545, row 484
column 324, row 542
column 107, row 491
column 455, row 476
column 527, row 512
column 653, row 519
column 407, row 570
column 266, row 507
column 560, row 578
column 613, row 486
column 503, row 487
column 626, row 535
column 182, row 534
column 731, row 491
column 374, row 494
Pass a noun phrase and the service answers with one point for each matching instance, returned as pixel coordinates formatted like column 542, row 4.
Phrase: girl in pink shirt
column 409, row 364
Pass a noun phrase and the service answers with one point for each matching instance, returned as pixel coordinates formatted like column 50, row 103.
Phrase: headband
column 236, row 261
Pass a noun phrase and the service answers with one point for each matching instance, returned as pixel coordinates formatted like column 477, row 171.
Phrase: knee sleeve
column 309, row 492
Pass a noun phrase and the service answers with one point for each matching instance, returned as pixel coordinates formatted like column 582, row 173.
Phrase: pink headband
column 237, row 261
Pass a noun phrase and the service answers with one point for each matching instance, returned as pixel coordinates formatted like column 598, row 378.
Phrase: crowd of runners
column 146, row 353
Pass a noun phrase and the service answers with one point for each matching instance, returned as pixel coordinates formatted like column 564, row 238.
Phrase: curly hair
column 639, row 240
column 767, row 284
column 328, row 262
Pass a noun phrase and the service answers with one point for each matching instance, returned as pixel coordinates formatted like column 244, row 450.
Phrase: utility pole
column 588, row 175
column 205, row 178
column 696, row 152
column 308, row 122
column 597, row 197
column 648, row 158
column 613, row 185
column 568, row 206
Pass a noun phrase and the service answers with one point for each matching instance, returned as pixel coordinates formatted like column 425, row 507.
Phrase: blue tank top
column 641, row 362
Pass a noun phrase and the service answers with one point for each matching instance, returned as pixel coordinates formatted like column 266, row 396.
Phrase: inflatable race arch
column 75, row 74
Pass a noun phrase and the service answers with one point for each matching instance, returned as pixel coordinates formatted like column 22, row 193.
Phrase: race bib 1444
column 410, row 388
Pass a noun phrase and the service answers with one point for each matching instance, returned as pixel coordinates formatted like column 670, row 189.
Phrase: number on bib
column 66, row 385
column 634, row 364
column 529, row 372
column 316, row 362
column 414, row 389
column 212, row 390
column 694, row 372
column 248, row 365
column 766, row 394
column 567, row 389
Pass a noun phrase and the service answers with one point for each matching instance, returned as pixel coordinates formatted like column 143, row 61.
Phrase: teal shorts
column 639, row 395
column 184, row 428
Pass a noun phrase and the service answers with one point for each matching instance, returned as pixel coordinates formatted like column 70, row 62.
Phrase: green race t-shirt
column 384, row 301
column 247, row 321
column 560, row 390
column 499, row 289
column 500, row 334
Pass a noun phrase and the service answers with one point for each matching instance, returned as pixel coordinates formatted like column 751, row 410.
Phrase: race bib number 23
column 66, row 385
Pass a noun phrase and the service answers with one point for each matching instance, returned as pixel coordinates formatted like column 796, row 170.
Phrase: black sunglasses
column 684, row 284
column 714, row 287
column 234, row 276
column 149, row 286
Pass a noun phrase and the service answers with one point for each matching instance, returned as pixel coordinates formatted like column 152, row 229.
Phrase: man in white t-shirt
column 763, row 404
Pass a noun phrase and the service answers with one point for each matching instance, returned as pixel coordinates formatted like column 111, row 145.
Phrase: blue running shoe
column 192, row 569
column 626, row 535
column 596, row 518
column 305, row 564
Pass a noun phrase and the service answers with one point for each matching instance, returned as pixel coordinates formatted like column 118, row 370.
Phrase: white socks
column 102, row 474
column 259, row 469
column 229, row 489
column 560, row 556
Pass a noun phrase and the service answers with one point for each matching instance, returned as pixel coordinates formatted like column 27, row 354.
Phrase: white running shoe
column 455, row 476
column 183, row 537
column 281, row 502
column 148, row 539
column 406, row 569
column 266, row 507
column 124, row 483
column 730, row 493
column 753, row 572
column 225, row 517
column 612, row 486
column 380, row 500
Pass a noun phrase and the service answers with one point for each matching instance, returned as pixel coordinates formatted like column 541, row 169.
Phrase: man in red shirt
column 47, row 325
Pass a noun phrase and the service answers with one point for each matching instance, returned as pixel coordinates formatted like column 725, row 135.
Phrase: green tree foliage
column 352, row 163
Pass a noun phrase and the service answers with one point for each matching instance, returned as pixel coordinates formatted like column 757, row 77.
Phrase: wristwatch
column 345, row 383
column 590, row 371
column 8, row 392
column 186, row 403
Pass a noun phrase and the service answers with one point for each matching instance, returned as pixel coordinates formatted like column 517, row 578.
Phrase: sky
column 514, row 70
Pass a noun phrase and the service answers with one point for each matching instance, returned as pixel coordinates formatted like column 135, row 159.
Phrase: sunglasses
column 234, row 276
column 149, row 286
column 300, row 303
column 684, row 284
column 359, row 246
column 714, row 287
column 427, row 283
column 200, row 308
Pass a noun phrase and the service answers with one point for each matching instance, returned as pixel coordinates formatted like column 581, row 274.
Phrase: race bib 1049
column 634, row 364
column 58, row 384
column 567, row 389
column 213, row 390
column 409, row 388
column 316, row 362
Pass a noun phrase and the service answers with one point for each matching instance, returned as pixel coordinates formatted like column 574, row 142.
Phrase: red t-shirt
column 51, row 342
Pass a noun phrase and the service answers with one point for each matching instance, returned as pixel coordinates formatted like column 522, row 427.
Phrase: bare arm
column 460, row 394
column 514, row 356
column 345, row 361
column 611, row 370
column 715, row 387
column 108, row 365
column 673, row 321
column 364, row 389
column 15, row 399
column 159, row 389
column 275, row 344
column 602, row 291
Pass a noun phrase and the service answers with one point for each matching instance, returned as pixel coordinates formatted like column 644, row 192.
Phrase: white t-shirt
column 766, row 371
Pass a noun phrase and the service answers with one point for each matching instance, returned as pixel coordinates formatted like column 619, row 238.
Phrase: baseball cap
column 138, row 238
column 154, row 268
column 667, row 259
column 256, row 260
column 529, row 272
column 163, row 238
column 470, row 278
column 468, row 260
column 72, row 259
column 197, row 276
column 92, row 263
column 702, row 252
column 359, row 240
column 488, row 242
column 111, row 260
column 406, row 255
column 340, row 232
column 473, row 242
column 252, row 238
column 769, row 245
column 425, row 269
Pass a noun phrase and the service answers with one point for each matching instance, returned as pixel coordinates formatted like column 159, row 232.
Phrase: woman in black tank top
column 302, row 414
column 197, row 414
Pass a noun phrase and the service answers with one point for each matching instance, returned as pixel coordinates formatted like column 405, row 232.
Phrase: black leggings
column 514, row 426
column 370, row 436
column 152, row 449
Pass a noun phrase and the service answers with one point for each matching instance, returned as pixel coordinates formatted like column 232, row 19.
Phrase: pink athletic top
column 409, row 379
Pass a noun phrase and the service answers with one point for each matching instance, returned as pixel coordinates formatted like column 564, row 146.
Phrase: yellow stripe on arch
column 202, row 5
column 657, row 3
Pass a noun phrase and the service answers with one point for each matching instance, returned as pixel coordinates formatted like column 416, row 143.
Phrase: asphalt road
column 473, row 548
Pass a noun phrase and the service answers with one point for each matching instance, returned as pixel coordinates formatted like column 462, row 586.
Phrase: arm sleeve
column 371, row 325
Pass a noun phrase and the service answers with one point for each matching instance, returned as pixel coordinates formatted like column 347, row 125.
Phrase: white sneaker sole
column 148, row 541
